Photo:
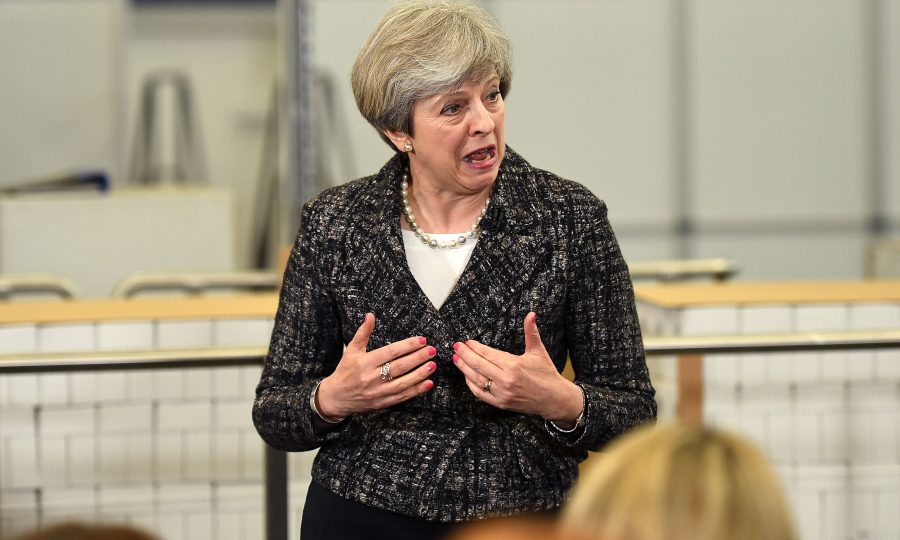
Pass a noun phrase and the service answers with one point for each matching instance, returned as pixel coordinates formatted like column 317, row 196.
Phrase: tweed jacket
column 445, row 455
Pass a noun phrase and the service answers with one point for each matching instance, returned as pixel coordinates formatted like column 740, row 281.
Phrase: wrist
column 315, row 402
column 571, row 410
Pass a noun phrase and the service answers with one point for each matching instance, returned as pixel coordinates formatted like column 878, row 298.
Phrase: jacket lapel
column 501, row 266
column 505, row 258
column 380, row 266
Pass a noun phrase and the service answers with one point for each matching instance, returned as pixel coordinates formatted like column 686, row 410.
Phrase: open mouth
column 481, row 155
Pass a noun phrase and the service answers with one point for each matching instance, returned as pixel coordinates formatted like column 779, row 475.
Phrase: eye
column 494, row 95
column 450, row 109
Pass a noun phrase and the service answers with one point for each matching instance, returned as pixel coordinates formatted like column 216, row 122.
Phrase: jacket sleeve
column 305, row 347
column 603, row 334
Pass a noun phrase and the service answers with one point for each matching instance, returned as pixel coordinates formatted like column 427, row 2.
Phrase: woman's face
column 459, row 143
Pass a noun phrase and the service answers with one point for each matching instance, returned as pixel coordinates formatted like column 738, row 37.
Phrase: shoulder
column 337, row 201
column 341, row 206
column 554, row 194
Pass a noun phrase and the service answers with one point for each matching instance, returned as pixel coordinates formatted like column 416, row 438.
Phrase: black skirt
column 329, row 517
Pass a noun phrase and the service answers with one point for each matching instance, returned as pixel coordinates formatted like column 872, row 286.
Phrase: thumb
column 361, row 339
column 532, row 334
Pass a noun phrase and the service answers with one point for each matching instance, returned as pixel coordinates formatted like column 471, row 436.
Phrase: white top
column 436, row 270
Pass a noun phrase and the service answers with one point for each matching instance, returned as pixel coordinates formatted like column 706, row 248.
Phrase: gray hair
column 423, row 48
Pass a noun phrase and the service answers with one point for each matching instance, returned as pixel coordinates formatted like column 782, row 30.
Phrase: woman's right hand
column 357, row 385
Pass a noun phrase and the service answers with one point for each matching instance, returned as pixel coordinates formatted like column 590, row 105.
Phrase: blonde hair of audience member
column 80, row 531
column 680, row 482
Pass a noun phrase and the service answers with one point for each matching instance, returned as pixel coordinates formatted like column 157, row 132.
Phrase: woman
column 680, row 482
column 459, row 278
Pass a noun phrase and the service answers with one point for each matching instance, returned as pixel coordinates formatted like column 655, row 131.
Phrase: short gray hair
column 423, row 48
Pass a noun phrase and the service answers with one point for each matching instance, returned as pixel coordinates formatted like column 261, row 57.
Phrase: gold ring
column 487, row 385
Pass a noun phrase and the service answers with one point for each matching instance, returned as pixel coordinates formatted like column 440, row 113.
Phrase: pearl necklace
column 425, row 237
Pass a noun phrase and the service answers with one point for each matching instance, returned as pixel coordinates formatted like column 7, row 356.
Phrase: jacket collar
column 501, row 264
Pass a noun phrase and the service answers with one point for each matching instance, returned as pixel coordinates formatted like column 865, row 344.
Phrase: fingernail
column 431, row 366
column 432, row 351
column 422, row 340
column 429, row 385
column 456, row 346
column 455, row 358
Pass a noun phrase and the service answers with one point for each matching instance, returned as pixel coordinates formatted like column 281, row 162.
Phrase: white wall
column 61, row 98
column 754, row 119
column 762, row 123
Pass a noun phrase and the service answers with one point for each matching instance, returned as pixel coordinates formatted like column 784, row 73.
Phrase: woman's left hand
column 528, row 383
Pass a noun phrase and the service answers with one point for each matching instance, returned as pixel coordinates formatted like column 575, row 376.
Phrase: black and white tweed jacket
column 445, row 455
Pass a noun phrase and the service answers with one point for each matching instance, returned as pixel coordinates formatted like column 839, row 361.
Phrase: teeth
column 480, row 155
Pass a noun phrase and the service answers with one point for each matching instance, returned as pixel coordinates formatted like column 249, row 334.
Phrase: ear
column 397, row 138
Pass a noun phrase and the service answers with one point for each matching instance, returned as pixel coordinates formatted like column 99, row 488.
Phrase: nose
column 482, row 123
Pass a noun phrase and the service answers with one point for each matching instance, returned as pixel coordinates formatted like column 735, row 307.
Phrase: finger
column 402, row 383
column 408, row 393
column 489, row 354
column 475, row 367
column 406, row 363
column 477, row 389
column 361, row 339
column 396, row 350
column 532, row 334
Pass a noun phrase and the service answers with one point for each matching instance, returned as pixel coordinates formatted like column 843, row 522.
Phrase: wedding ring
column 386, row 372
column 487, row 385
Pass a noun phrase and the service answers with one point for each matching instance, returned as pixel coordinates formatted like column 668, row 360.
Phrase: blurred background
column 762, row 131
column 152, row 146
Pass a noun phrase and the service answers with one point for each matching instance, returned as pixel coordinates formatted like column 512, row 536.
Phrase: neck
column 443, row 211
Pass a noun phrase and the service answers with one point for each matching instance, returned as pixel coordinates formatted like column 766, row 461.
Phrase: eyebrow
column 458, row 93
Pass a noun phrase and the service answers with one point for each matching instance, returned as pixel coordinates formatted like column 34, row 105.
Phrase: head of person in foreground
column 680, row 482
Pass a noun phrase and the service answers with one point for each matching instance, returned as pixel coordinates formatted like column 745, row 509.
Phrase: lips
column 481, row 155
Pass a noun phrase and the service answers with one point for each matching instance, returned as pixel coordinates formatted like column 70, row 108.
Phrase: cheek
column 499, row 119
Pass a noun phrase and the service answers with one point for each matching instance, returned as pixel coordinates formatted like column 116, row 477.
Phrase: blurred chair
column 147, row 166
column 683, row 269
column 29, row 284
column 197, row 283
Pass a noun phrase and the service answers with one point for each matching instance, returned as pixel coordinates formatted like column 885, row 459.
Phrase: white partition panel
column 778, row 98
column 61, row 99
column 592, row 100
column 170, row 450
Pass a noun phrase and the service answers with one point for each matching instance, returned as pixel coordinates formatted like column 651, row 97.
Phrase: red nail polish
column 431, row 366
column 455, row 358
column 432, row 351
column 456, row 346
column 429, row 385
column 422, row 340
